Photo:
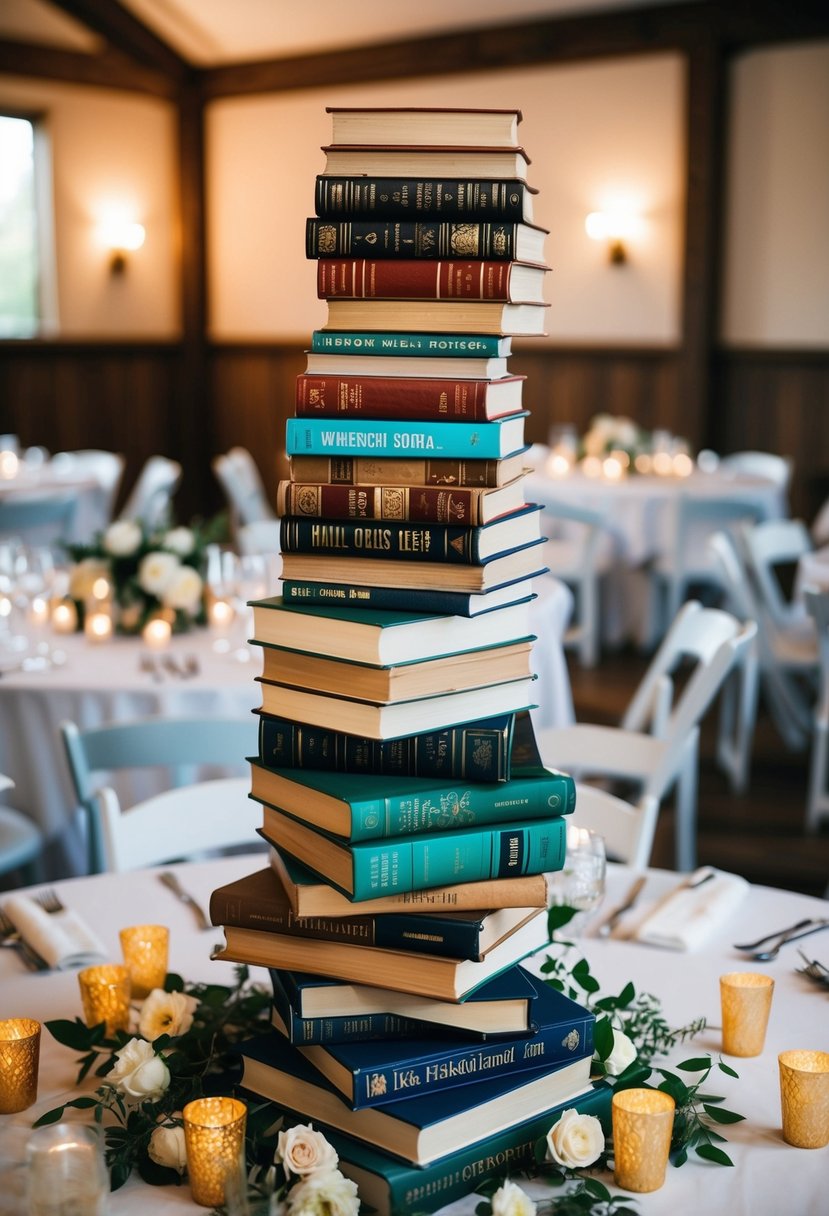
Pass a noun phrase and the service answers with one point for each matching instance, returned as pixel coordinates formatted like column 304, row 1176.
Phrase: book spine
column 390, row 397
column 358, row 1029
column 385, row 437
column 367, row 470
column 547, row 1050
column 426, row 198
column 444, row 346
column 422, row 504
column 407, row 863
column 434, row 603
column 474, row 751
column 390, row 238
column 277, row 917
column 367, row 279
column 394, row 541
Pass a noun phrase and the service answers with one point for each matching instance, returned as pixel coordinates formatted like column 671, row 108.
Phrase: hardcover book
column 338, row 1029
column 420, row 504
column 457, row 347
column 417, row 600
column 365, row 196
column 420, row 1129
column 423, row 125
column 420, row 161
column 390, row 437
column 370, row 471
column 347, row 362
column 366, row 869
column 360, row 807
column 398, row 396
column 443, row 316
column 439, row 280
column 490, row 240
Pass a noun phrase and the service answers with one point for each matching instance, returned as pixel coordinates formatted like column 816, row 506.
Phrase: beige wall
column 109, row 149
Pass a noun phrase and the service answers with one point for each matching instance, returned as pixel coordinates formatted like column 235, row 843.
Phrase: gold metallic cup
column 19, row 1059
column 105, row 996
column 145, row 956
column 745, row 997
column 214, row 1134
column 804, row 1097
column 643, row 1121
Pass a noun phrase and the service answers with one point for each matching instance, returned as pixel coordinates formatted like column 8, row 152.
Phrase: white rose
column 623, row 1053
column 304, row 1151
column 575, row 1140
column 139, row 1073
column 166, row 1013
column 180, row 541
column 324, row 1194
column 167, row 1147
column 510, row 1200
column 183, row 590
column 122, row 538
column 83, row 576
column 156, row 571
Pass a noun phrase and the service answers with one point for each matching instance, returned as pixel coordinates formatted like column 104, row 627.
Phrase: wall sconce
column 615, row 227
column 121, row 238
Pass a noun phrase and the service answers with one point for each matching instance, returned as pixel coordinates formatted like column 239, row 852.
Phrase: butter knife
column 170, row 880
column 607, row 926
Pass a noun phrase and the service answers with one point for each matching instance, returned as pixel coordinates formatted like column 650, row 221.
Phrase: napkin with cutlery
column 62, row 939
column 689, row 914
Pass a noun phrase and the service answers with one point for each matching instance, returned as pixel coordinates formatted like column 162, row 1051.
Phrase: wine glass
column 580, row 884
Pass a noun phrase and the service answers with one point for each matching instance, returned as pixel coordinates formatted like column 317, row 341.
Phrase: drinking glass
column 580, row 883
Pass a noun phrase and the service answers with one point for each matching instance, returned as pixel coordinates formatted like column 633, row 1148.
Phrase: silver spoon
column 765, row 956
column 801, row 924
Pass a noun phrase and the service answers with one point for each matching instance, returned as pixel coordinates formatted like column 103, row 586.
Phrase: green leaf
column 719, row 1115
column 626, row 995
column 728, row 1070
column 483, row 1209
column 679, row 1158
column 51, row 1116
column 700, row 1064
column 558, row 916
column 118, row 1174
column 597, row 1188
column 709, row 1153
column 603, row 1038
column 76, row 1034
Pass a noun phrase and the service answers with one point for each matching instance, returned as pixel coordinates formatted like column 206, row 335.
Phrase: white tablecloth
column 770, row 1177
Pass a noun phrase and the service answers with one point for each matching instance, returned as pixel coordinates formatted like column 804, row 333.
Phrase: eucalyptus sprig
column 697, row 1112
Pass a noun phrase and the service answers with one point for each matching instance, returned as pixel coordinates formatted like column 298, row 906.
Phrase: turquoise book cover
column 485, row 346
column 406, row 438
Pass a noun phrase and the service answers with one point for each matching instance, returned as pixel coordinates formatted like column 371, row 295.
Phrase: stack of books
column 410, row 819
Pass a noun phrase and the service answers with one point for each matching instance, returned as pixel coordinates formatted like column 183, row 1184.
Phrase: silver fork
column 10, row 937
column 50, row 901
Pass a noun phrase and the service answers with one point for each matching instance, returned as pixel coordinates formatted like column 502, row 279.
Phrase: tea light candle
column 145, row 949
column 19, row 1058
column 221, row 613
column 64, row 616
column 97, row 624
column 214, row 1132
column 39, row 611
column 9, row 465
column 105, row 996
column 101, row 588
column 157, row 633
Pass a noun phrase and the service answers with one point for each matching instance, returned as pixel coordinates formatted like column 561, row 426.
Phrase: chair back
column 817, row 605
column 178, row 744
column 767, row 545
column 43, row 518
column 239, row 478
column 151, row 497
column 628, row 830
column 767, row 465
column 261, row 536
column 106, row 468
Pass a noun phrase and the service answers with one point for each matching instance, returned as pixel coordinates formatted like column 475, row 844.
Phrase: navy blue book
column 400, row 599
column 377, row 1073
column 420, row 1129
column 358, row 1028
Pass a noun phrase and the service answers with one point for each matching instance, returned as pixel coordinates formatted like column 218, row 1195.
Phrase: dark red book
column 403, row 397
column 425, row 504
column 368, row 279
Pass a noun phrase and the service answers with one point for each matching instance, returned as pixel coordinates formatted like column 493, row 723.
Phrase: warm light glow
column 9, row 465
column 619, row 222
column 39, row 610
column 221, row 613
column 559, row 464
column 98, row 626
column 64, row 617
column 591, row 466
column 663, row 464
column 100, row 589
column 643, row 462
column 683, row 465
column 123, row 235
column 596, row 225
column 612, row 468
column 157, row 633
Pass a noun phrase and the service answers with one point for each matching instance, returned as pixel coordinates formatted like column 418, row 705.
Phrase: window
column 19, row 252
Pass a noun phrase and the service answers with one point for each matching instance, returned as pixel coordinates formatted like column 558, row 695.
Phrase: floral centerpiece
column 144, row 573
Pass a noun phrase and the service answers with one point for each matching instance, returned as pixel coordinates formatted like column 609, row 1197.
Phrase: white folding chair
column 768, row 546
column 817, row 804
column 819, row 528
column 656, row 744
column 628, row 829
column 239, row 477
column 21, row 841
column 151, row 497
column 578, row 551
column 107, row 468
column 767, row 465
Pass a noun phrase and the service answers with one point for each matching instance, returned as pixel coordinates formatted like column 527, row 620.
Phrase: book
column 381, row 720
column 420, row 1129
column 474, row 751
column 510, row 660
column 369, row 470
column 352, row 363
column 412, row 345
column 376, row 1073
column 378, row 636
column 431, row 576
column 389, row 437
column 398, row 396
column 428, row 504
column 364, row 869
column 503, row 1005
column 310, row 896
column 392, row 1188
column 361, row 807
column 383, row 237
column 445, row 979
column 432, row 198
column 337, row 1029
column 449, row 316
column 392, row 599
column 446, row 280
column 259, row 901
column 423, row 125
column 420, row 161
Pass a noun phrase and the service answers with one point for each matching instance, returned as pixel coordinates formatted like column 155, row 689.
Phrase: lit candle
column 101, row 588
column 64, row 616
column 663, row 464
column 9, row 465
column 591, row 466
column 98, row 624
column 157, row 633
column 683, row 465
column 39, row 611
column 612, row 468
column 221, row 614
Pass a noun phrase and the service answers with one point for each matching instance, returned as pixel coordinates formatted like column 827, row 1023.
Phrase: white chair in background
column 628, row 829
column 150, row 500
column 578, row 551
column 239, row 477
column 21, row 841
column 820, row 525
column 656, row 746
column 106, row 468
column 817, row 804
column 769, row 546
column 261, row 536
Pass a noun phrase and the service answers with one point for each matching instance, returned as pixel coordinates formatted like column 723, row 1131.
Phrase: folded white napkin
column 689, row 914
column 61, row 938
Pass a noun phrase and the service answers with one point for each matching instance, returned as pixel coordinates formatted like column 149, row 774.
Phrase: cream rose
column 510, row 1200
column 139, row 1073
column 183, row 590
column 180, row 541
column 156, row 571
column 304, row 1151
column 327, row 1193
column 166, row 1013
column 83, row 576
column 167, row 1147
column 575, row 1140
column 623, row 1053
column 122, row 538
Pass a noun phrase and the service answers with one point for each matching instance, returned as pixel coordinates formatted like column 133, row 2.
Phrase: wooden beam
column 108, row 69
column 123, row 31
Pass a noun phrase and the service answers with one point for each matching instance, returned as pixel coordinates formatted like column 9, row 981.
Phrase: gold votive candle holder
column 643, row 1122
column 105, row 996
column 19, row 1060
column 145, row 950
column 214, row 1135
column 745, row 998
column 804, row 1097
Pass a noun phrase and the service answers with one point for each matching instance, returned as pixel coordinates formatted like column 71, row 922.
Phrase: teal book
column 421, row 1129
column 361, row 807
column 405, row 438
column 405, row 540
column 443, row 346
column 376, row 1073
column 392, row 1188
column 367, row 869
